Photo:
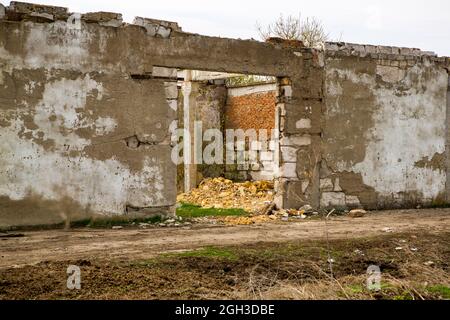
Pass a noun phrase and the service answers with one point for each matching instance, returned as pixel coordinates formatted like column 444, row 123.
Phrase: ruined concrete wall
column 299, row 117
column 253, row 107
column 87, row 109
column 79, row 137
column 210, row 104
column 384, row 134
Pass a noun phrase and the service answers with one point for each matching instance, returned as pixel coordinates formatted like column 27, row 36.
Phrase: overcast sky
column 410, row 23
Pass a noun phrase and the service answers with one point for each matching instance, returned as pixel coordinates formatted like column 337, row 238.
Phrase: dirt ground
column 275, row 260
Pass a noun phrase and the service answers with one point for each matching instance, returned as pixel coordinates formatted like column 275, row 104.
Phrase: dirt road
column 133, row 243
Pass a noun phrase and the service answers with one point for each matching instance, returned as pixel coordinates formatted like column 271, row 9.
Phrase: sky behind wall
column 405, row 23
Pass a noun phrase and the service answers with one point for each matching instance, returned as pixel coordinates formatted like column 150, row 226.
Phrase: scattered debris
column 301, row 213
column 268, row 209
column 387, row 229
column 357, row 213
column 307, row 209
column 413, row 249
column 252, row 196
column 429, row 263
column 399, row 248
column 231, row 220
column 117, row 227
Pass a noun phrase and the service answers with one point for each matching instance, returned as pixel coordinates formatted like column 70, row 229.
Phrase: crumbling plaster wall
column 86, row 113
column 209, row 108
column 384, row 135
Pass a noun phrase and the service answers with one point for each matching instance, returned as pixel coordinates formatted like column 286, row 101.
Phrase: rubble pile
column 230, row 220
column 252, row 196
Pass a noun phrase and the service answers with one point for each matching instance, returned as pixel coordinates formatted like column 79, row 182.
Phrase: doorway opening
column 229, row 130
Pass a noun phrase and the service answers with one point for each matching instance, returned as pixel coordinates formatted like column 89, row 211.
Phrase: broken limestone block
column 307, row 209
column 331, row 46
column 384, row 49
column 303, row 124
column 295, row 140
column 289, row 170
column 326, row 184
column 157, row 28
column 352, row 201
column 357, row 213
column 358, row 47
column 163, row 72
column 21, row 10
column 107, row 19
column 332, row 199
column 261, row 175
column 289, row 154
column 395, row 50
column 405, row 51
column 370, row 49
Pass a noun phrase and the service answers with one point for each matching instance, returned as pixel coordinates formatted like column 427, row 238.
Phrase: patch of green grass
column 404, row 296
column 356, row 288
column 207, row 252
column 442, row 290
column 187, row 210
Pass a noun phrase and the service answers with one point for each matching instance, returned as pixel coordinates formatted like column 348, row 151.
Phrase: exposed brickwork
column 252, row 111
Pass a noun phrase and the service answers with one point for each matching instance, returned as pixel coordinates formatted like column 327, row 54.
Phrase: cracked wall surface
column 384, row 137
column 88, row 104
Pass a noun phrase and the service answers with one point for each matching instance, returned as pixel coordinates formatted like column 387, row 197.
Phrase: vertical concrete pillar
column 190, row 90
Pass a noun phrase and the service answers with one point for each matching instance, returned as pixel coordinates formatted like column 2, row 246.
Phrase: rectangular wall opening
column 243, row 112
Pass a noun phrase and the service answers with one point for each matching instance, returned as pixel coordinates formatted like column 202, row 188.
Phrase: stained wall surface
column 88, row 107
column 385, row 129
